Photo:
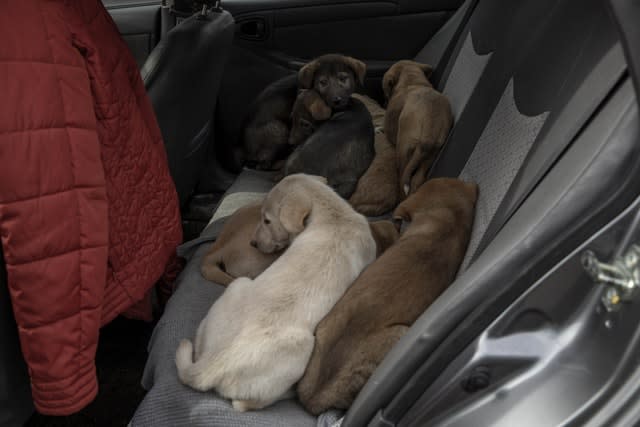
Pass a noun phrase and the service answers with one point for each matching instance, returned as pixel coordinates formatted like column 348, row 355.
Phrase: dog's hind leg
column 212, row 270
column 343, row 388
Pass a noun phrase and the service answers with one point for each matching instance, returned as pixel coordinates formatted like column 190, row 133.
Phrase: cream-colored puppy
column 256, row 340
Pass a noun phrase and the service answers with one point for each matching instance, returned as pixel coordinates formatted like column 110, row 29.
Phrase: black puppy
column 340, row 148
column 334, row 77
column 266, row 127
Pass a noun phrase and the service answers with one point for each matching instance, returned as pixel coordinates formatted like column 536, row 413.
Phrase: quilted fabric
column 88, row 212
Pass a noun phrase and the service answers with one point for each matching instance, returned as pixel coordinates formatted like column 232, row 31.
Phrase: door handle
column 253, row 28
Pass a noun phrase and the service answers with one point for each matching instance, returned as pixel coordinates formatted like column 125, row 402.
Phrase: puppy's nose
column 253, row 243
column 337, row 100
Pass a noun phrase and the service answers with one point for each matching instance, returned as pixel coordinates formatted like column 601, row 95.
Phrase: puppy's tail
column 212, row 270
column 200, row 375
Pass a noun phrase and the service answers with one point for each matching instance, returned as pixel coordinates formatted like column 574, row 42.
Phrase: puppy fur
column 385, row 234
column 231, row 255
column 341, row 148
column 417, row 122
column 256, row 340
column 309, row 111
column 377, row 191
column 266, row 127
column 390, row 294
column 334, row 77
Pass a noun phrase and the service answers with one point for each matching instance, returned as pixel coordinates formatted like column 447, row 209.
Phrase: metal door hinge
column 621, row 277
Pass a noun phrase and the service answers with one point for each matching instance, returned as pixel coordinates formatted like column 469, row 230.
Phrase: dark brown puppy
column 334, row 77
column 417, row 122
column 339, row 149
column 390, row 294
column 266, row 126
column 231, row 255
column 377, row 191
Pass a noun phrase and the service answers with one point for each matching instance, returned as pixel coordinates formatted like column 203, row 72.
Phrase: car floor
column 120, row 361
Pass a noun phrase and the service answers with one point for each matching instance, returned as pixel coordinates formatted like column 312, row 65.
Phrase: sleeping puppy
column 231, row 255
column 334, row 77
column 417, row 122
column 266, row 127
column 390, row 294
column 377, row 191
column 340, row 149
column 256, row 340
column 385, row 234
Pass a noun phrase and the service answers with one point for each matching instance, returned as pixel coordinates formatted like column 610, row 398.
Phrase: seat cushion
column 168, row 402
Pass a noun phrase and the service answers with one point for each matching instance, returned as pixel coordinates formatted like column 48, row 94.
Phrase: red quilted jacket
column 89, row 215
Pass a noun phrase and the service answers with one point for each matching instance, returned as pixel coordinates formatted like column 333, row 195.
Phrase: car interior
column 544, row 96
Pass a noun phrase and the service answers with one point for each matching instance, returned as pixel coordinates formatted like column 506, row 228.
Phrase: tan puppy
column 232, row 256
column 390, row 294
column 256, row 339
column 417, row 122
column 377, row 190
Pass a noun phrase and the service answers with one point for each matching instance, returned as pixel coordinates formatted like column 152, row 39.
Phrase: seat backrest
column 513, row 79
column 182, row 76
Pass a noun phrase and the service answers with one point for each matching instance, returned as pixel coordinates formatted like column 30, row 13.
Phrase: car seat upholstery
column 523, row 78
column 196, row 50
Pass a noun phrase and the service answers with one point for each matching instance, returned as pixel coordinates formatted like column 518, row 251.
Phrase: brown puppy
column 417, row 122
column 308, row 112
column 232, row 255
column 385, row 234
column 377, row 190
column 334, row 77
column 390, row 294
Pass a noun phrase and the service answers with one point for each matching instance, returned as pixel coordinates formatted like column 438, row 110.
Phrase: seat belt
column 592, row 93
column 453, row 41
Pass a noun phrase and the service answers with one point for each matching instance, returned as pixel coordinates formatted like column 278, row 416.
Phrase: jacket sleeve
column 53, row 204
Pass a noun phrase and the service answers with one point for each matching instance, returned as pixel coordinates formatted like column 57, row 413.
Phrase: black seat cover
column 182, row 76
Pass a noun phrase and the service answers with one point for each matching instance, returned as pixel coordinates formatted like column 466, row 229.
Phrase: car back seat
column 516, row 78
column 573, row 72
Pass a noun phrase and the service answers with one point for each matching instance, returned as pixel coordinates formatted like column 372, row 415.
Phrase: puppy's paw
column 240, row 405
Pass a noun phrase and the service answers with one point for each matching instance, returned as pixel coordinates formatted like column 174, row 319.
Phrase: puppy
column 377, row 191
column 308, row 112
column 266, row 126
column 417, row 122
column 385, row 234
column 340, row 149
column 334, row 77
column 256, row 340
column 231, row 255
column 390, row 294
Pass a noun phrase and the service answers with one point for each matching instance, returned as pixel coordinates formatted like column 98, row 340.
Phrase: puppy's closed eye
column 266, row 221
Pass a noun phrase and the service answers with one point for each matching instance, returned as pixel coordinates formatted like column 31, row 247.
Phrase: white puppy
column 256, row 340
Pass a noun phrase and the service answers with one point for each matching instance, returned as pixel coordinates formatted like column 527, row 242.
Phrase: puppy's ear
column 426, row 69
column 306, row 74
column 318, row 109
column 389, row 82
column 358, row 67
column 295, row 209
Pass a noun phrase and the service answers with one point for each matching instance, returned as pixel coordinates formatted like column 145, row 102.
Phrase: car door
column 139, row 24
column 275, row 37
